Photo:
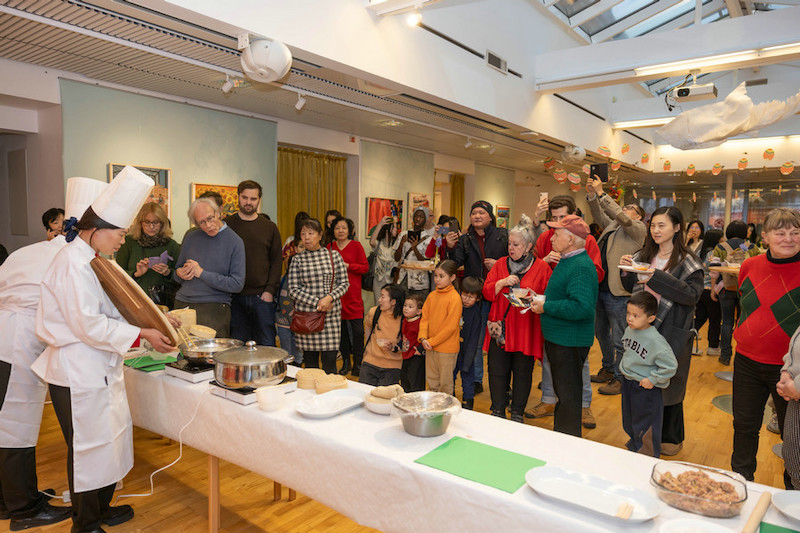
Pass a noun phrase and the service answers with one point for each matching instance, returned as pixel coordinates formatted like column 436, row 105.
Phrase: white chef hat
column 81, row 192
column 120, row 202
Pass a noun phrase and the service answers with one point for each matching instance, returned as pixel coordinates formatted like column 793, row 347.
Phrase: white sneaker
column 713, row 351
column 697, row 351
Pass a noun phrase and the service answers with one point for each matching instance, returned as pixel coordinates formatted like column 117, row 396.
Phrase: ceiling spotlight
column 301, row 102
column 468, row 144
column 228, row 85
column 492, row 150
column 414, row 19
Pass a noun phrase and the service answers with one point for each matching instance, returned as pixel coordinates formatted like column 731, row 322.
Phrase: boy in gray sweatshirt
column 646, row 367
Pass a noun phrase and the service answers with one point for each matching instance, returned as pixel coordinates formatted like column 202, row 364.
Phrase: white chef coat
column 86, row 338
column 20, row 279
column 418, row 280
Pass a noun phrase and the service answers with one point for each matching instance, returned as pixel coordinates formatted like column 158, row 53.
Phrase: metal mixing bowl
column 426, row 413
column 203, row 350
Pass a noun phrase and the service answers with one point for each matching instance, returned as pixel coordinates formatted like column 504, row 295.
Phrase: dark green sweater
column 132, row 252
column 571, row 299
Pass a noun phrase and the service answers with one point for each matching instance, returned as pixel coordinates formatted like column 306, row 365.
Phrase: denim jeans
column 609, row 326
column 728, row 300
column 485, row 307
column 549, row 392
column 286, row 338
column 253, row 319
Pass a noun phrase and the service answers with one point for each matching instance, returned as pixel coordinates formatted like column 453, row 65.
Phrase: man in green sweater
column 568, row 319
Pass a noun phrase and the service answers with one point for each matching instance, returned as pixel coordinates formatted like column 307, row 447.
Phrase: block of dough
column 202, row 332
column 330, row 382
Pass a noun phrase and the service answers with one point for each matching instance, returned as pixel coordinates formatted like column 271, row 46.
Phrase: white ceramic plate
column 692, row 525
column 627, row 268
column 330, row 403
column 592, row 493
column 788, row 502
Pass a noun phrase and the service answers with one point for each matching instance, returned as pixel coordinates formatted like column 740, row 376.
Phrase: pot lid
column 251, row 354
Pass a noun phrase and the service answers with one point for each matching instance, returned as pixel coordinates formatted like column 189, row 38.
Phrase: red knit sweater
column 770, row 301
column 544, row 247
column 353, row 255
column 523, row 330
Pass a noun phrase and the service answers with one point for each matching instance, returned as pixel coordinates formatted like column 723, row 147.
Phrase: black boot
column 499, row 414
column 345, row 366
column 468, row 404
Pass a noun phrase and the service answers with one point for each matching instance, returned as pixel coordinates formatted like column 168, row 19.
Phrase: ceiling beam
column 688, row 18
column 786, row 2
column 591, row 12
column 562, row 18
column 633, row 20
column 734, row 8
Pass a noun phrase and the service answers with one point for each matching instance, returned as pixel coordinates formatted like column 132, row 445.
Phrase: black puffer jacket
column 467, row 253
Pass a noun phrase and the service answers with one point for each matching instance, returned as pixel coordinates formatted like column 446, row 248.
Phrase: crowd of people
column 443, row 299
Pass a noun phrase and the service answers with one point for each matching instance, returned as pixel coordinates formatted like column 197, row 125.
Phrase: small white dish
column 592, row 493
column 788, row 503
column 627, row 268
column 330, row 403
column 692, row 525
column 270, row 398
column 377, row 408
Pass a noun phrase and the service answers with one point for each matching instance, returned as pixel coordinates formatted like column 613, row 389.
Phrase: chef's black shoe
column 117, row 515
column 46, row 516
column 4, row 514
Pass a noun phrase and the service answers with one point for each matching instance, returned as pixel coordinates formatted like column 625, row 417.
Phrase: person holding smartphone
column 410, row 248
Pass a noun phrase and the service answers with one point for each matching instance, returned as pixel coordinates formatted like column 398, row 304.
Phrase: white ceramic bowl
column 269, row 398
column 377, row 408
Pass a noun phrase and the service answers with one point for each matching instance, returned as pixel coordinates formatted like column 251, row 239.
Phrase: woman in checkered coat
column 317, row 281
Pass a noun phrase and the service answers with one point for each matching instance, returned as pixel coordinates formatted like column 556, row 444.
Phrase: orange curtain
column 309, row 181
column 456, row 197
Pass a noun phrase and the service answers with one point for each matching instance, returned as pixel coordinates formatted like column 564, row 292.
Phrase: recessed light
column 391, row 123
column 692, row 181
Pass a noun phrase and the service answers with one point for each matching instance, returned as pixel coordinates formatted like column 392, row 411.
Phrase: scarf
column 516, row 268
column 145, row 241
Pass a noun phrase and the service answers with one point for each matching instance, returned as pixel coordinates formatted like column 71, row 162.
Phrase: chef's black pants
column 19, row 493
column 88, row 507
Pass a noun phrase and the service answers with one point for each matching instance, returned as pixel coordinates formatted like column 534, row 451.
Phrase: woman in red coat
column 515, row 338
column 352, row 305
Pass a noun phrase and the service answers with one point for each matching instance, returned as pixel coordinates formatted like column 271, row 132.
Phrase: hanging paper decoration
column 769, row 153
column 715, row 196
column 645, row 158
column 560, row 175
column 694, row 198
column 635, row 194
column 667, row 165
column 780, row 190
column 690, row 170
column 615, row 164
column 654, row 195
column 575, row 187
column 743, row 163
column 626, row 148
column 716, row 169
column 604, row 151
column 674, row 198
column 549, row 163
column 574, row 177
column 787, row 168
column 586, row 169
column 615, row 191
column 736, row 195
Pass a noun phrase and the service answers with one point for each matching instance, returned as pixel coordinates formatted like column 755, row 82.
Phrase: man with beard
column 253, row 309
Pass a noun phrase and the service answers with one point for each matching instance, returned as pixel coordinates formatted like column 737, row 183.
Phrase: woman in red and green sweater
column 769, row 286
column 355, row 260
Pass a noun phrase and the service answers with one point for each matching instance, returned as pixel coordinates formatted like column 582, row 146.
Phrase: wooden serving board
column 130, row 299
column 412, row 266
column 724, row 269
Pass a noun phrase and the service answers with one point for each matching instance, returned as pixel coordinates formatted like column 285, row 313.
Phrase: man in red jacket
column 559, row 207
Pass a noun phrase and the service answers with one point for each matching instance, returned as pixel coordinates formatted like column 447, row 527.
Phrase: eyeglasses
column 207, row 221
column 151, row 223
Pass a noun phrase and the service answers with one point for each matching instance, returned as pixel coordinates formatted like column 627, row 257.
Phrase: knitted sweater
column 132, row 252
column 570, row 301
column 647, row 355
column 388, row 329
column 262, row 245
column 441, row 318
column 222, row 259
column 770, row 301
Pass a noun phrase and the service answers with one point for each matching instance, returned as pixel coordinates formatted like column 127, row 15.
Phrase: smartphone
column 599, row 170
column 443, row 230
column 414, row 234
column 543, row 196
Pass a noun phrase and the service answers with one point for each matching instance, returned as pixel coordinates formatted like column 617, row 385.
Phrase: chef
column 22, row 393
column 86, row 338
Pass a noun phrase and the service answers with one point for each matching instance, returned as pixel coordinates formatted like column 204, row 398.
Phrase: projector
column 691, row 93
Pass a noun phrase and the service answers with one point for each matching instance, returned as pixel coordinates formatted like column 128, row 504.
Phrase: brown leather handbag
column 305, row 322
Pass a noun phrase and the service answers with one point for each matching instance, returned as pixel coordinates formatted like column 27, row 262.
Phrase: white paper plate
column 592, row 493
column 627, row 268
column 330, row 403
column 692, row 525
column 788, row 502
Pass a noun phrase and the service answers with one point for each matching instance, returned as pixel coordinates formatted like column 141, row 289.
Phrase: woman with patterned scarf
column 149, row 254
column 675, row 278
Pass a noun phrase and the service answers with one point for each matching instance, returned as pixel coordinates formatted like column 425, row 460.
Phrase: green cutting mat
column 772, row 528
column 148, row 364
column 482, row 463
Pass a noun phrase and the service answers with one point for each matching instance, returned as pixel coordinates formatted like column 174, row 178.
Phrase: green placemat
column 480, row 462
column 772, row 528
column 148, row 363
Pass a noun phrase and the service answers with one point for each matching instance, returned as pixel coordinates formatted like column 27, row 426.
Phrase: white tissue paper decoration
column 711, row 125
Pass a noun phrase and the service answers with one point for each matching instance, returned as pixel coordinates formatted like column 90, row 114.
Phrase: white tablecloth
column 362, row 464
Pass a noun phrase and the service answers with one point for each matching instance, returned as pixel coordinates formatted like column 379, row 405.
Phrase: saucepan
column 202, row 351
column 251, row 366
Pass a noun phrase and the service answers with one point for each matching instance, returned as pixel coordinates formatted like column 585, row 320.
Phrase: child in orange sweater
column 439, row 328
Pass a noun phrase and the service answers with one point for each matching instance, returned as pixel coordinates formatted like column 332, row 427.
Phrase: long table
column 362, row 464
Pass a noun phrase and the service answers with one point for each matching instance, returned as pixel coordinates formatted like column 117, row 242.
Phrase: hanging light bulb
column 414, row 19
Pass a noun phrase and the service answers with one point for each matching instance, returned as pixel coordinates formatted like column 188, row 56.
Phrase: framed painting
column 229, row 193
column 161, row 176
column 418, row 199
column 503, row 214
column 378, row 208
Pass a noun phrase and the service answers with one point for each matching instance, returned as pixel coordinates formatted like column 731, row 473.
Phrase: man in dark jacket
column 477, row 250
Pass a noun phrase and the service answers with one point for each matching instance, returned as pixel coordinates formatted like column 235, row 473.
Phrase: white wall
column 494, row 185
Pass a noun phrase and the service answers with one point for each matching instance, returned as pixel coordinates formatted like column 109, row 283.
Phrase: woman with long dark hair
column 675, row 278
column 694, row 236
column 708, row 307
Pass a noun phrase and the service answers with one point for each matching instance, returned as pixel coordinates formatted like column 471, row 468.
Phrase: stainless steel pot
column 202, row 351
column 251, row 366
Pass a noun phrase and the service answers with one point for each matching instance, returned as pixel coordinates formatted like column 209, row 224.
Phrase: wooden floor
column 180, row 501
